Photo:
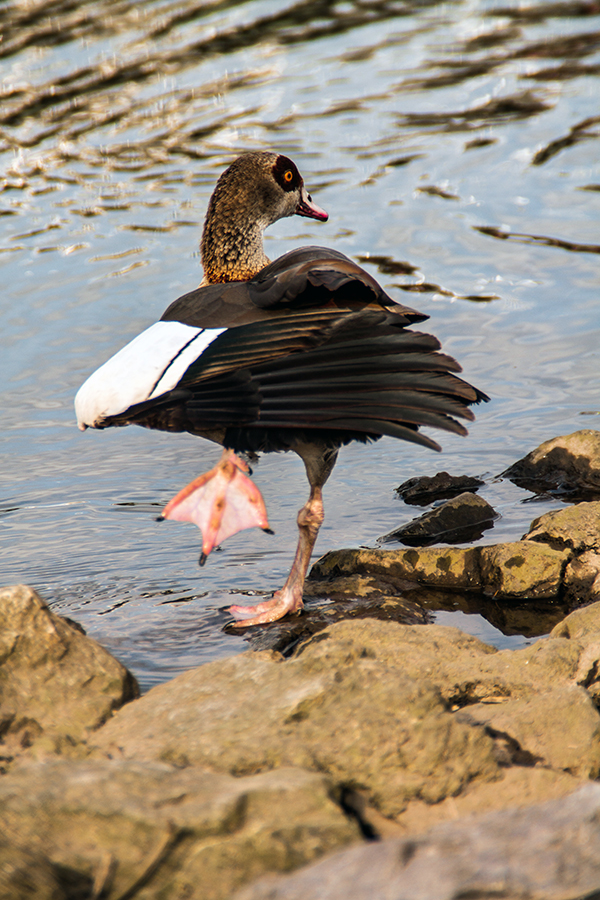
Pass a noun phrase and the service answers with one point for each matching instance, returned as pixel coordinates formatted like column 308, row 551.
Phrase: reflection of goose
column 306, row 353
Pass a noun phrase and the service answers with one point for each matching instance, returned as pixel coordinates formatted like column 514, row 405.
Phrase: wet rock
column 567, row 465
column 545, row 852
column 445, row 567
column 515, row 570
column 121, row 827
column 574, row 528
column 357, row 598
column 558, row 559
column 423, row 490
column 56, row 684
column 461, row 519
column 510, row 616
column 514, row 617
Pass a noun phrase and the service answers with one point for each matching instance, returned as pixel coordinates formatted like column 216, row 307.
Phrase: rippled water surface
column 458, row 139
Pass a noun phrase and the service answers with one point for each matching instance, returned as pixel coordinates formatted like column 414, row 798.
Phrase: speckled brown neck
column 231, row 250
column 239, row 210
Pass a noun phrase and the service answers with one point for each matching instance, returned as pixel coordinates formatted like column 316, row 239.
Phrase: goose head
column 256, row 190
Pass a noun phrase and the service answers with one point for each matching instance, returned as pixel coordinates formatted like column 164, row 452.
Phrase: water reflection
column 455, row 147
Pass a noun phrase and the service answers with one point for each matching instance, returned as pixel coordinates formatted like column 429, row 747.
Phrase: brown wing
column 325, row 373
column 307, row 278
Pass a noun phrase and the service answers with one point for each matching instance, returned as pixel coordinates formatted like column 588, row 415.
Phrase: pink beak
column 307, row 208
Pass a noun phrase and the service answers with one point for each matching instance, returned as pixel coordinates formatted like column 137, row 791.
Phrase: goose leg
column 319, row 463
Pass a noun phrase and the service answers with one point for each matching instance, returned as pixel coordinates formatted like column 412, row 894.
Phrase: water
column 414, row 125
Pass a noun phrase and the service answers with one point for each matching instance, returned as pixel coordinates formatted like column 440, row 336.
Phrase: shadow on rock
column 354, row 599
column 459, row 520
column 423, row 490
column 567, row 467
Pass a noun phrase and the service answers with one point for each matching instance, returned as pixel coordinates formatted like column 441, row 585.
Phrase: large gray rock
column 118, row 829
column 56, row 684
column 546, row 852
column 354, row 713
column 408, row 716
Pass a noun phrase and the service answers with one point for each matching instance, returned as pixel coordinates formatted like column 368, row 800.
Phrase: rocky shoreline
column 377, row 758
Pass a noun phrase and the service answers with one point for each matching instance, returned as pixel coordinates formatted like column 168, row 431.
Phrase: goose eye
column 288, row 175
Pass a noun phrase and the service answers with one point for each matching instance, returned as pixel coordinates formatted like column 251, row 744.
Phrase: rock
column 31, row 876
column 556, row 564
column 535, row 729
column 445, row 567
column 569, row 464
column 582, row 579
column 402, row 714
column 575, row 528
column 356, row 598
column 124, row 828
column 56, row 684
column 462, row 519
column 582, row 625
column 349, row 712
column 520, row 787
column 515, row 570
column 424, row 490
column 545, row 852
column 583, row 628
column 506, row 571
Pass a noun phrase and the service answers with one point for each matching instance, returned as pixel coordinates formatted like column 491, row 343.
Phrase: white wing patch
column 150, row 365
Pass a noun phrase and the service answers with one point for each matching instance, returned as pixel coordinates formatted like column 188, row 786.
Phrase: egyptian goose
column 306, row 353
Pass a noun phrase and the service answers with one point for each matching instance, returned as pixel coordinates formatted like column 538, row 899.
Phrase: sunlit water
column 413, row 126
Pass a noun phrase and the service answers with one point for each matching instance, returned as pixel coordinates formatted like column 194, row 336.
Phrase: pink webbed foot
column 220, row 502
column 283, row 602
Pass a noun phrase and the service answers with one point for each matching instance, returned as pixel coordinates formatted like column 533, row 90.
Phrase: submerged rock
column 358, row 598
column 545, row 852
column 462, row 519
column 423, row 490
column 568, row 465
column 56, row 684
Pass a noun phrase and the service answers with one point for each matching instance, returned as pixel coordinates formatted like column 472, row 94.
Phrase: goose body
column 305, row 353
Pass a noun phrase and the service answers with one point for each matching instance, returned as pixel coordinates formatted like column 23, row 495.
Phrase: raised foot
column 282, row 603
column 220, row 502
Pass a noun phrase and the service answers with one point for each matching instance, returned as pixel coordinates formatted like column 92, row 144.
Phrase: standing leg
column 319, row 462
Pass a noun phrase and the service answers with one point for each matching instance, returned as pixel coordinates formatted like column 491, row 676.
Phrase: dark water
column 460, row 139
